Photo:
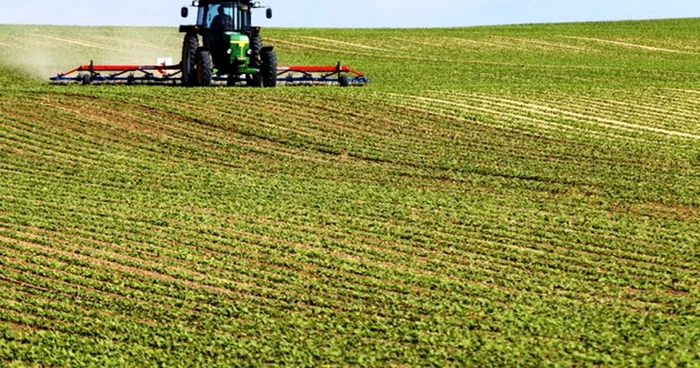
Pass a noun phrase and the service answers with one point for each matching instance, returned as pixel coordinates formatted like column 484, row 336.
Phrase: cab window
column 220, row 17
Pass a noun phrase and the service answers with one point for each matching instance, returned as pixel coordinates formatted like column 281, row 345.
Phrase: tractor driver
column 223, row 21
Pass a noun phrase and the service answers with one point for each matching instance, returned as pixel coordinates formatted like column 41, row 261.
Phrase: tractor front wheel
column 268, row 69
column 256, row 45
column 204, row 68
column 253, row 80
column 231, row 80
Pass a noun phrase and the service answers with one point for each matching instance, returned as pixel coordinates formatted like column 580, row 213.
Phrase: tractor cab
column 230, row 44
column 226, row 17
column 217, row 23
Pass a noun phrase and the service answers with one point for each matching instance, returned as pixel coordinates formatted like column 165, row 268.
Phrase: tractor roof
column 209, row 2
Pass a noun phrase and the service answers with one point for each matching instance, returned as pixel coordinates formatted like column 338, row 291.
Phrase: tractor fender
column 189, row 29
column 253, row 31
column 266, row 49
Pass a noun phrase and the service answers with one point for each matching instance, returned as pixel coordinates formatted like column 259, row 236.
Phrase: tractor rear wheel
column 204, row 68
column 256, row 61
column 268, row 69
column 189, row 54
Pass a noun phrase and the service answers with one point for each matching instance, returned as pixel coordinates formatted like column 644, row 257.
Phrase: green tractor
column 231, row 47
column 223, row 47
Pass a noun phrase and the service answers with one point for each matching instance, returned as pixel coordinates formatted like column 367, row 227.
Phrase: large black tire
column 232, row 80
column 189, row 55
column 253, row 80
column 256, row 45
column 268, row 70
column 204, row 68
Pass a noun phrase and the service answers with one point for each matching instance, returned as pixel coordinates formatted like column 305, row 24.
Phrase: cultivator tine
column 120, row 74
column 315, row 75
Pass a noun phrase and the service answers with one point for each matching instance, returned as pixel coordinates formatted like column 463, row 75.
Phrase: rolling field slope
column 519, row 195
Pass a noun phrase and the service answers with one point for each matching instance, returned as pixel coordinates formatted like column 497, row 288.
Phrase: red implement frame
column 308, row 75
column 159, row 74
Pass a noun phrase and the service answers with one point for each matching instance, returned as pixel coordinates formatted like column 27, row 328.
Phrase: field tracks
column 312, row 47
column 429, row 104
column 630, row 45
column 130, row 42
column 657, row 111
column 12, row 46
column 503, row 118
column 605, row 122
column 343, row 43
column 553, row 112
column 544, row 44
column 466, row 41
column 75, row 42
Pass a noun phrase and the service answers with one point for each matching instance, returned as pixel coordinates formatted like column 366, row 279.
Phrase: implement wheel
column 204, row 68
column 85, row 79
column 343, row 80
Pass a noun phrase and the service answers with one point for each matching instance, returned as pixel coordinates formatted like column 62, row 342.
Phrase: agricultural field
column 497, row 196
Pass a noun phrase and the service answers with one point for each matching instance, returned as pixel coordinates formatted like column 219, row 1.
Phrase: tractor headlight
column 249, row 52
column 195, row 3
column 229, row 51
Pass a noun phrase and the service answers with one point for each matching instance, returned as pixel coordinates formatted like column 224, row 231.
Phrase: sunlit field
column 496, row 196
